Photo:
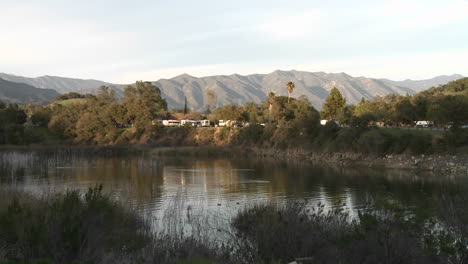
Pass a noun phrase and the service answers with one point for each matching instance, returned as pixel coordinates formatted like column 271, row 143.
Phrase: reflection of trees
column 136, row 178
column 144, row 180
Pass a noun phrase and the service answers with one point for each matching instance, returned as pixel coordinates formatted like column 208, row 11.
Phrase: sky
column 124, row 41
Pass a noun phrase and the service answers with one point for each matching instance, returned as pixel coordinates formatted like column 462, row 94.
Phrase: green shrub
column 252, row 134
column 420, row 144
column 346, row 139
column 374, row 141
column 69, row 227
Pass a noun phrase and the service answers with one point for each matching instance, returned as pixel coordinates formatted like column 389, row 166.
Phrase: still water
column 148, row 183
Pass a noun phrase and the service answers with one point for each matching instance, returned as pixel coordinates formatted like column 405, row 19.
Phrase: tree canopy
column 334, row 105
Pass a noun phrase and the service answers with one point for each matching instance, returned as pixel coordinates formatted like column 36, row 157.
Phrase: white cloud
column 409, row 15
column 405, row 66
column 410, row 66
column 291, row 26
column 40, row 37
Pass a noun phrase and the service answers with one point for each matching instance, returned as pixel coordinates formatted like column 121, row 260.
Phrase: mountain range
column 239, row 89
column 21, row 93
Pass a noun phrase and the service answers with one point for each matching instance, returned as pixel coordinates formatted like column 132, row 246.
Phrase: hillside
column 239, row 89
column 458, row 87
column 59, row 84
column 20, row 93
column 421, row 85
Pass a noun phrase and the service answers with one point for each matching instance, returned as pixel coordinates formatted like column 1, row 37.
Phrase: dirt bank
column 434, row 162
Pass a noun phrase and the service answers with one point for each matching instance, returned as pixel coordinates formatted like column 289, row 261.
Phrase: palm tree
column 271, row 101
column 290, row 87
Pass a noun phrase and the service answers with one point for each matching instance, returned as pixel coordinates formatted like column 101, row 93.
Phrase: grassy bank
column 90, row 228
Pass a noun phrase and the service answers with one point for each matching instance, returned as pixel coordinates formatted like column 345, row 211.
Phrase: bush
column 279, row 234
column 374, row 141
column 69, row 227
column 346, row 139
column 421, row 144
column 252, row 134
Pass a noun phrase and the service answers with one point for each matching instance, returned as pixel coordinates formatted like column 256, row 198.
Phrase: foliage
column 334, row 105
column 70, row 95
column 69, row 227
column 290, row 87
column 91, row 228
column 12, row 119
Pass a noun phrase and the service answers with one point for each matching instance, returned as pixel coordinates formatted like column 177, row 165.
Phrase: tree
column 402, row 111
column 306, row 118
column 210, row 99
column 185, row 106
column 105, row 95
column 450, row 108
column 290, row 87
column 270, row 101
column 143, row 104
column 228, row 112
column 253, row 113
column 334, row 105
column 41, row 116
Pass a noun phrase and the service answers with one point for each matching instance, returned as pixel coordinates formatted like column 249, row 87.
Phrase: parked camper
column 424, row 124
column 223, row 123
column 205, row 123
column 324, row 122
column 187, row 122
column 171, row 123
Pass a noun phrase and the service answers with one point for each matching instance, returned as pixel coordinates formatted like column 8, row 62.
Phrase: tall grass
column 90, row 228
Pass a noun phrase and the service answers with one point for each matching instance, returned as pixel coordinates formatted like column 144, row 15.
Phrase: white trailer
column 171, row 123
column 205, row 123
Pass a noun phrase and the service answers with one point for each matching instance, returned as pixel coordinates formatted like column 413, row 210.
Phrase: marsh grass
column 75, row 227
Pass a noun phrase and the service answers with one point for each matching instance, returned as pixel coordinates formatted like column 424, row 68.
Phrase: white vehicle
column 171, row 123
column 424, row 124
column 205, row 123
column 222, row 123
column 324, row 122
column 187, row 122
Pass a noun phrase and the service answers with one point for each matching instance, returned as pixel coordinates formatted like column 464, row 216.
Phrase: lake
column 219, row 185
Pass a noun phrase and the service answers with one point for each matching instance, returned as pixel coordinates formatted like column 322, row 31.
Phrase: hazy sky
column 124, row 41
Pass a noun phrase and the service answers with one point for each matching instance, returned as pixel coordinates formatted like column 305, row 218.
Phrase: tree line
column 103, row 119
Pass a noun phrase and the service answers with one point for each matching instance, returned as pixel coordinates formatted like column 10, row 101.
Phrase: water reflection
column 148, row 183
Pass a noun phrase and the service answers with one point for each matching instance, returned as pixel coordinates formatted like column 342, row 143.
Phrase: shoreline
column 456, row 163
column 433, row 162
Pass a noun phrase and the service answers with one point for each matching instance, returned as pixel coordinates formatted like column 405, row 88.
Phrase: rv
column 223, row 123
column 424, row 124
column 171, row 123
column 187, row 122
column 205, row 123
column 324, row 122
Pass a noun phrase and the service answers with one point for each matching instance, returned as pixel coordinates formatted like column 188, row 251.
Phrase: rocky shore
column 434, row 162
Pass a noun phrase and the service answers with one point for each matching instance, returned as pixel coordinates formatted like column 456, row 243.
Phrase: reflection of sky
column 218, row 186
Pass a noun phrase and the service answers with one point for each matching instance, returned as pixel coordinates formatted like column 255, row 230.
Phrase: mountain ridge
column 239, row 89
column 21, row 93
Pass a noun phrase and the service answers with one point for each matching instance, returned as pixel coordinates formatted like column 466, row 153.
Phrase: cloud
column 408, row 66
column 411, row 16
column 291, row 26
column 396, row 39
